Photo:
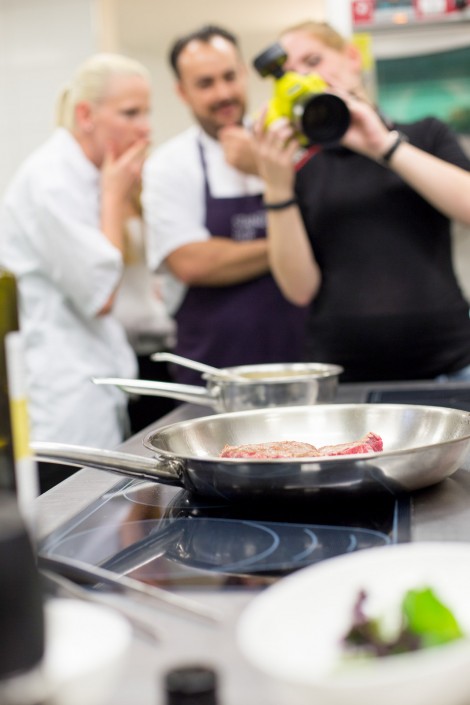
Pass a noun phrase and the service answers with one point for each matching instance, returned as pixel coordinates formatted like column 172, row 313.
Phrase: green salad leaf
column 429, row 618
column 425, row 621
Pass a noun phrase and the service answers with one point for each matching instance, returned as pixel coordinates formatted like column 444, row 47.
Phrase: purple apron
column 240, row 324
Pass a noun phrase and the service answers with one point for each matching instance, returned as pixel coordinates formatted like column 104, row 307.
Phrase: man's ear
column 180, row 92
column 84, row 116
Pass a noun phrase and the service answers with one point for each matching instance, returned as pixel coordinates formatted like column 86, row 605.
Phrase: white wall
column 41, row 42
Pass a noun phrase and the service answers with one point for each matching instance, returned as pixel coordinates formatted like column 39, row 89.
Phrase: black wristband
column 280, row 205
column 399, row 138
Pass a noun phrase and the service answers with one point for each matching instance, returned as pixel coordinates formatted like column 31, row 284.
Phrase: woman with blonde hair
column 360, row 229
column 63, row 237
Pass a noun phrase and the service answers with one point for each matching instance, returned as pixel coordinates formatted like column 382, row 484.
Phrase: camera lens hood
column 322, row 117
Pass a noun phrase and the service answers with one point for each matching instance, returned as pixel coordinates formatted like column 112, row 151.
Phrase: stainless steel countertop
column 440, row 513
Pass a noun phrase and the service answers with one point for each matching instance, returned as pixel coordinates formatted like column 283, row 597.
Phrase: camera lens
column 322, row 117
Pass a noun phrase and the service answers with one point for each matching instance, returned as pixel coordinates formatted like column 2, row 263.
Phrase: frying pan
column 261, row 386
column 422, row 446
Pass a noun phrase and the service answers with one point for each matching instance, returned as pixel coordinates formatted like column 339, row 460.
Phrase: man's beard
column 212, row 127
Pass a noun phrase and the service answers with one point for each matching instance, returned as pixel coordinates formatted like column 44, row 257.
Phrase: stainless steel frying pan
column 422, row 446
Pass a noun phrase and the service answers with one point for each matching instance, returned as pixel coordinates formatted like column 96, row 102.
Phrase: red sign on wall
column 370, row 12
column 363, row 11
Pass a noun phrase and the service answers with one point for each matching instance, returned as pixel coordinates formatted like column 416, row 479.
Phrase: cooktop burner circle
column 169, row 537
column 212, row 544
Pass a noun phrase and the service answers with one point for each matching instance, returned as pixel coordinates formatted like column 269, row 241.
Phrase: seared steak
column 276, row 449
column 370, row 443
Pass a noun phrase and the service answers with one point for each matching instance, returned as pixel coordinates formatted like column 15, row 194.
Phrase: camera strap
column 306, row 155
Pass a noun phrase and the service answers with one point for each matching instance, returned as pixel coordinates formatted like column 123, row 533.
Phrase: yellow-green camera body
column 290, row 90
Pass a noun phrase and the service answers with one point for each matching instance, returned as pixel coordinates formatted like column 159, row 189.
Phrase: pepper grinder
column 21, row 611
column 191, row 685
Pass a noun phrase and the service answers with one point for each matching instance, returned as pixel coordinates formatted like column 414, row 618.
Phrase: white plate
column 86, row 646
column 293, row 630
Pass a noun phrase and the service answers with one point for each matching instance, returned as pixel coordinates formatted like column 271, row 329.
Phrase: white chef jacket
column 66, row 270
column 173, row 197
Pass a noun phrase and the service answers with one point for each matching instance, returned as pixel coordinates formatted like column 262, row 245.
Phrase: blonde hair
column 91, row 81
column 320, row 30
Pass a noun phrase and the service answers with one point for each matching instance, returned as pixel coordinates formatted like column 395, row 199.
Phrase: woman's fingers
column 135, row 154
column 125, row 170
column 260, row 122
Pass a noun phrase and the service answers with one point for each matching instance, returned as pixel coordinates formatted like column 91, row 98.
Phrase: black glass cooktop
column 170, row 538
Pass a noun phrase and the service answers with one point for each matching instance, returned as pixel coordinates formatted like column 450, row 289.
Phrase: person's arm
column 219, row 261
column 118, row 177
column 75, row 255
column 291, row 257
column 174, row 212
column 445, row 186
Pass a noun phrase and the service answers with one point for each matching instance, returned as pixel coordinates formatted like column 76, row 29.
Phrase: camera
column 319, row 117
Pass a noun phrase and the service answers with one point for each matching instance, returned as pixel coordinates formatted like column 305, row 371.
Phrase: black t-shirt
column 389, row 306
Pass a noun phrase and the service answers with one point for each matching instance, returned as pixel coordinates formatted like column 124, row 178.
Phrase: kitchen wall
column 148, row 35
column 42, row 41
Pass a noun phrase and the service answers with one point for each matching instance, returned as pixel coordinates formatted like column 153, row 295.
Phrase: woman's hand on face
column 276, row 146
column 119, row 174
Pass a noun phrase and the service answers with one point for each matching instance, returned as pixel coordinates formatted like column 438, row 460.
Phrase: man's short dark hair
column 203, row 34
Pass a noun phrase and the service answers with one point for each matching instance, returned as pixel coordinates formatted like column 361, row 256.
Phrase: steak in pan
column 370, row 443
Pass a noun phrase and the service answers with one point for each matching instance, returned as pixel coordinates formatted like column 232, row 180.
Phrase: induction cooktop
column 167, row 537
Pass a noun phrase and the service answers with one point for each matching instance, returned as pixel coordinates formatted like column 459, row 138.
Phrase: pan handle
column 168, row 472
column 199, row 366
column 183, row 392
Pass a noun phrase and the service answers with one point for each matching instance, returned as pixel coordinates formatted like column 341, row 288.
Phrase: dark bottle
column 8, row 323
column 22, row 633
column 191, row 685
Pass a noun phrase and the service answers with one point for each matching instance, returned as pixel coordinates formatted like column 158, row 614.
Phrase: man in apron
column 206, row 223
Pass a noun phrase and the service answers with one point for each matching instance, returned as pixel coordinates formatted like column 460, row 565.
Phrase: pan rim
column 319, row 370
column 330, row 460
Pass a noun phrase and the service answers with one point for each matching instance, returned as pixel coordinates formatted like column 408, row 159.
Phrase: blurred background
column 416, row 55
